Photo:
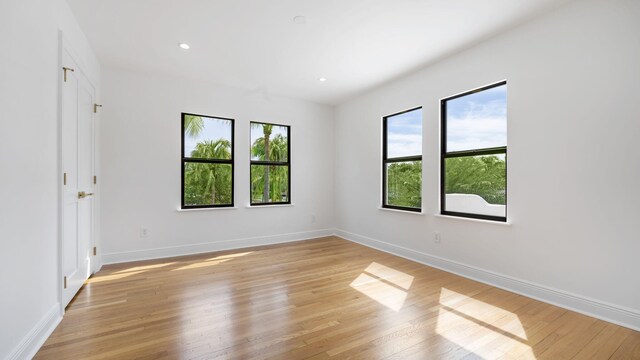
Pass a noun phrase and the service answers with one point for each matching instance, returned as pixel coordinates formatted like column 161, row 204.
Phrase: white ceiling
column 255, row 44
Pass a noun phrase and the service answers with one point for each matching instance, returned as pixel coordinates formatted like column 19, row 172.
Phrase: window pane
column 269, row 183
column 404, row 134
column 207, row 138
column 269, row 142
column 404, row 184
column 207, row 184
column 478, row 120
column 476, row 184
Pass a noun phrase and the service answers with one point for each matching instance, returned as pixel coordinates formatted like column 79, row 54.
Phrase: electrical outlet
column 313, row 218
column 144, row 232
column 437, row 238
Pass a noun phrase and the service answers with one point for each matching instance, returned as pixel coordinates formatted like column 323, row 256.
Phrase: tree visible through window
column 474, row 153
column 270, row 164
column 207, row 161
column 402, row 160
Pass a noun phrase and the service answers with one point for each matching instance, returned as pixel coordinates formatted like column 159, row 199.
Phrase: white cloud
column 477, row 121
column 476, row 133
column 404, row 145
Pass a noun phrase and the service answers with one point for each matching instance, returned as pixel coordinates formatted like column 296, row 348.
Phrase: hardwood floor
column 317, row 299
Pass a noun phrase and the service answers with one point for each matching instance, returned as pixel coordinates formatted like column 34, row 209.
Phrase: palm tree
column 193, row 125
column 277, row 149
column 266, row 131
column 274, row 181
column 204, row 177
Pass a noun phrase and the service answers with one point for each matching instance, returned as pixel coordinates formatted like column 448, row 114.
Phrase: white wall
column 141, row 130
column 29, row 73
column 574, row 164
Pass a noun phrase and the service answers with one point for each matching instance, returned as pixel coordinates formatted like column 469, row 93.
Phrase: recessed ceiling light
column 322, row 79
column 299, row 19
column 184, row 46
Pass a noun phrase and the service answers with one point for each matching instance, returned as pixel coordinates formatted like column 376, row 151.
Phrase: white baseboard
column 31, row 343
column 626, row 317
column 165, row 252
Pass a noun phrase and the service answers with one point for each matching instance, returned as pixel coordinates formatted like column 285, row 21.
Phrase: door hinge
column 64, row 179
column 95, row 251
column 95, row 107
column 65, row 282
column 95, row 179
column 65, row 72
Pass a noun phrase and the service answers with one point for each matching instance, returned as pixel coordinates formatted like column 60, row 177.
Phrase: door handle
column 82, row 194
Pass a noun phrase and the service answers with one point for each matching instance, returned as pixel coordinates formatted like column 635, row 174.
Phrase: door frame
column 65, row 45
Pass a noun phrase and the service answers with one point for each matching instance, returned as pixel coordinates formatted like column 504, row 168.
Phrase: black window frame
column 188, row 159
column 386, row 160
column 444, row 155
column 271, row 163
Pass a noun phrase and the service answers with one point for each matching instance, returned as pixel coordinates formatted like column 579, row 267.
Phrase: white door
column 78, row 179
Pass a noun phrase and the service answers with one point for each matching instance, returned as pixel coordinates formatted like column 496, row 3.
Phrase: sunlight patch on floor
column 213, row 261
column 201, row 264
column 99, row 279
column 483, row 329
column 230, row 256
column 393, row 276
column 144, row 267
column 385, row 285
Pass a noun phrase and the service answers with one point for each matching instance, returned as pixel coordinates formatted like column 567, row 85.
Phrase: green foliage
column 278, row 185
column 208, row 149
column 277, row 149
column 261, row 149
column 404, row 184
column 205, row 183
column 193, row 125
column 480, row 175
column 270, row 183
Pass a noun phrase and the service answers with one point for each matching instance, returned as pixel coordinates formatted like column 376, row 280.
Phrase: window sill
column 268, row 206
column 482, row 221
column 207, row 209
column 401, row 211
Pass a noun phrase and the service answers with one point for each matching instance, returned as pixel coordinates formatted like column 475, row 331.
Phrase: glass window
column 270, row 164
column 207, row 161
column 474, row 154
column 402, row 160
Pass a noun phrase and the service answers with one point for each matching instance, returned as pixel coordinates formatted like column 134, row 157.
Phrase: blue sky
column 404, row 134
column 478, row 121
column 214, row 129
